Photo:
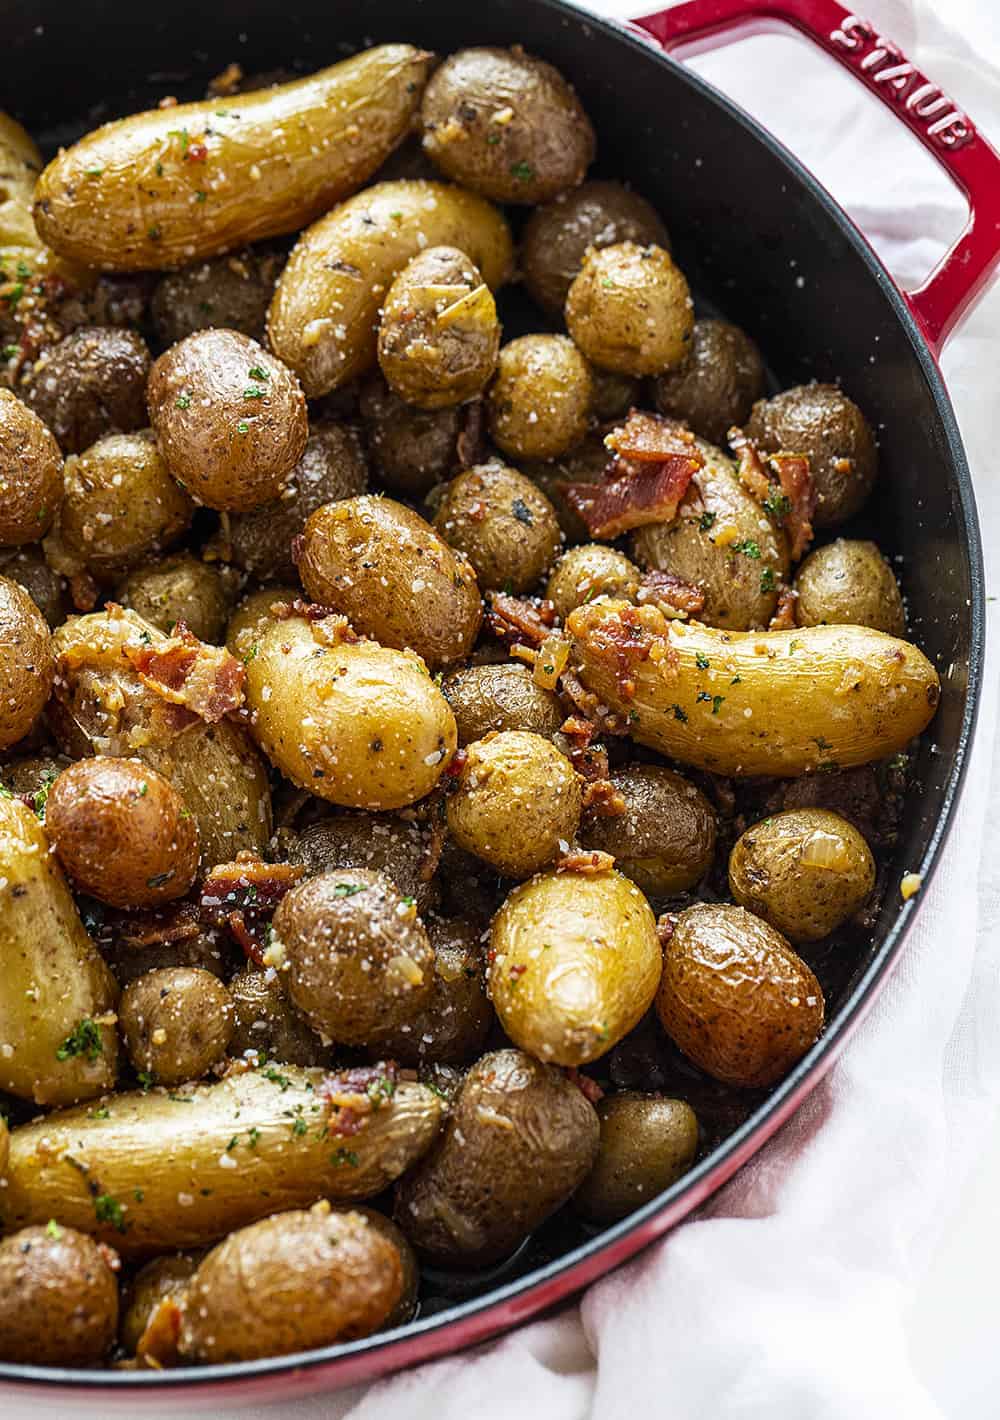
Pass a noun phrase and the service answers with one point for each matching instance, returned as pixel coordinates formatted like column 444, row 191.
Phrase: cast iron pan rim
column 813, row 1066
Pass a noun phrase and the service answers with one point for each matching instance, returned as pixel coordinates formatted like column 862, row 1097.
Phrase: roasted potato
column 558, row 236
column 503, row 523
column 805, row 871
column 665, row 840
column 288, row 1283
column 354, row 956
column 849, row 584
column 439, row 335
column 234, row 1150
column 266, row 1023
column 614, row 393
column 734, row 996
column 408, row 1298
column 647, row 1143
column 716, row 384
column 177, row 1023
column 32, row 776
column 27, row 567
column 254, row 611
column 592, row 570
column 771, row 702
column 20, row 164
column 134, row 945
column 177, row 184
column 575, row 964
column 520, row 1138
column 500, row 697
column 820, row 421
column 540, row 404
column 393, row 577
column 91, row 383
column 58, row 1298
column 516, row 803
column 164, row 1277
column 411, row 449
column 721, row 542
column 57, row 1020
column 323, row 320
column 31, row 480
column 507, row 125
column 26, row 665
column 182, row 588
column 230, row 419
column 229, row 292
column 384, row 843
column 630, row 309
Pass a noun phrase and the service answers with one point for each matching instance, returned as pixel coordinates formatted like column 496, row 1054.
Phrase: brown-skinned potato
column 402, row 851
column 91, row 383
column 503, row 523
column 715, row 385
column 592, row 570
column 30, row 474
column 665, row 839
column 26, row 665
column 177, row 1022
column 630, row 309
column 58, row 1298
column 232, row 292
column 27, row 567
column 182, row 588
column 266, row 1022
column 540, row 403
column 142, row 1294
column 500, row 697
column 647, row 1143
column 411, row 449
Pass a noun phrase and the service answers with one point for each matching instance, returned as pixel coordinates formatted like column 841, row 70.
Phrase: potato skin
column 849, row 583
column 539, row 405
column 500, row 697
column 393, row 577
column 595, row 975
column 58, row 1298
column 27, row 567
column 557, row 236
column 323, row 318
column 735, row 998
column 30, row 473
column 647, row 1143
column 91, row 383
column 269, row 163
column 411, row 449
column 289, row 1283
column 230, row 419
column 150, row 1145
column 820, row 696
column 630, row 309
column 232, row 292
column 503, row 523
column 383, row 843
column 379, row 739
column 592, row 570
column 355, row 957
column 820, row 421
column 54, row 980
column 665, row 840
column 517, row 799
column 715, row 386
column 805, row 871
column 484, row 1188
column 190, row 1009
column 122, row 832
column 439, row 335
column 26, row 664
column 265, row 1021
column 181, row 588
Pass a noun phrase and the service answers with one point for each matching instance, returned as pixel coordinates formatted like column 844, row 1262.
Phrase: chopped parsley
column 154, row 233
column 84, row 1039
column 347, row 889
column 146, row 1080
column 706, row 521
column 340, row 1157
column 108, row 1210
column 701, row 661
column 53, row 1230
column 299, row 1127
column 243, row 427
column 778, row 505
column 523, row 171
column 159, row 880
column 183, row 401
column 273, row 1074
column 257, row 372
column 254, row 392
column 714, row 700
column 102, row 1113
column 492, row 138
column 93, row 172
column 767, row 580
column 821, row 743
column 748, row 547
column 253, row 1136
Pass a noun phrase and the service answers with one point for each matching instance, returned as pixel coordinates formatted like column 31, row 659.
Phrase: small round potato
column 182, row 588
column 164, row 1277
column 849, row 583
column 575, row 964
column 500, row 697
column 252, row 614
column 805, row 871
column 665, row 840
column 820, row 421
column 356, row 958
column 291, row 1282
column 122, row 832
column 27, row 567
column 384, row 843
column 734, row 996
column 393, row 577
column 503, row 523
column 31, row 477
column 647, row 1143
column 58, row 1298
column 120, row 507
column 137, row 946
column 230, row 418
column 558, row 236
column 230, row 292
column 506, row 125
column 630, row 309
column 593, row 570
column 540, row 404
column 516, row 804
column 520, row 1139
column 90, row 384
column 333, row 467
column 715, row 386
column 439, row 335
column 266, row 1022
column 412, row 449
column 177, row 1023
column 26, row 663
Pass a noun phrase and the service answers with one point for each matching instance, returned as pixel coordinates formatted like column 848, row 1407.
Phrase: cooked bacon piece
column 784, row 613
column 665, row 925
column 581, row 731
column 136, row 930
column 589, row 1088
column 585, row 861
column 206, row 680
column 602, row 798
column 158, row 1345
column 356, row 1093
column 625, row 640
column 652, row 463
column 83, row 591
column 665, row 590
column 515, row 620
column 591, row 763
column 650, row 438
column 248, row 885
column 252, row 949
column 750, row 466
column 796, row 483
column 589, row 706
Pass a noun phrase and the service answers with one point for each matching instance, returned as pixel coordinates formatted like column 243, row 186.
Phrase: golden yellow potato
column 767, row 702
column 20, row 164
column 170, row 186
column 26, row 667
column 411, row 449
column 504, row 525
column 849, row 583
column 591, row 570
column 630, row 309
column 541, row 402
column 31, row 484
column 647, row 1143
column 576, row 963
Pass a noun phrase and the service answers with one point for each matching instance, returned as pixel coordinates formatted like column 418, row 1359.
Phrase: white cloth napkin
column 786, row 1298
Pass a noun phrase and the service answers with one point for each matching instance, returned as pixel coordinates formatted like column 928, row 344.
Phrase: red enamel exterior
column 945, row 131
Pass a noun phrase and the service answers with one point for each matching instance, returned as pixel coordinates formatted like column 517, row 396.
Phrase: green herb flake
column 822, row 744
column 749, row 548
column 159, row 880
column 84, row 1039
column 254, row 392
column 146, row 1080
column 299, row 1127
column 253, row 1137
column 340, row 1157
column 717, row 700
column 778, row 505
column 257, row 372
column 706, row 521
column 232, row 1143
column 154, row 233
column 492, row 139
column 93, row 172
column 273, row 1074
column 183, row 401
column 348, row 889
column 523, row 171
column 108, row 1210
column 200, row 196
column 143, row 789
column 767, row 580
column 10, row 351
column 701, row 661
column 736, row 680
column 243, row 427
column 53, row 1230
column 138, row 1195
column 102, row 1113
column 410, row 901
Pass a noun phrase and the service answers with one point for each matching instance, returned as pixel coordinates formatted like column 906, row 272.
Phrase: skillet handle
column 943, row 129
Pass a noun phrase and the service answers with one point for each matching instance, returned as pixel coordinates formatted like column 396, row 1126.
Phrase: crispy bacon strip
column 588, row 705
column 248, row 885
column 177, row 923
column 586, row 861
column 782, row 479
column 589, row 1088
column 517, row 621
column 356, row 1093
column 624, row 642
column 665, row 590
column 591, row 763
column 206, row 680
column 653, row 461
column 784, row 613
column 158, row 1344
